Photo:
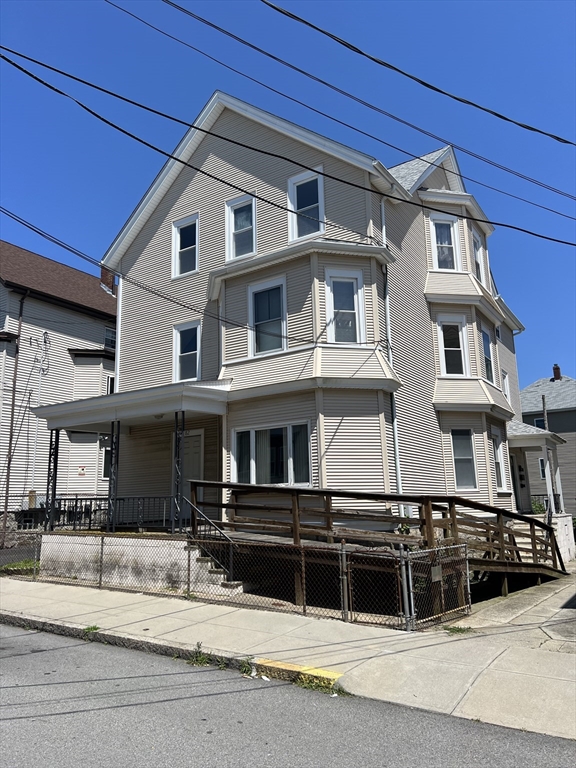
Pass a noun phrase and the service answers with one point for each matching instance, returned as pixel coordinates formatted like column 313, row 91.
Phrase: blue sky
column 78, row 179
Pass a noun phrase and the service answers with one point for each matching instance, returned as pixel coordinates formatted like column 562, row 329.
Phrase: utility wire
column 259, row 197
column 430, row 86
column 239, row 143
column 361, row 101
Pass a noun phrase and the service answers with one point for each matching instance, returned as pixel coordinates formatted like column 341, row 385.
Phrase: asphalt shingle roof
column 560, row 395
column 409, row 173
column 24, row 269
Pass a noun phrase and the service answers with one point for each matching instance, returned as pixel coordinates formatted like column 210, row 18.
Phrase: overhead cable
column 362, row 101
column 260, row 197
column 424, row 83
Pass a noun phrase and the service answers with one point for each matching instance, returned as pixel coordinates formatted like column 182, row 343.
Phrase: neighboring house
column 560, row 394
column 57, row 339
column 354, row 341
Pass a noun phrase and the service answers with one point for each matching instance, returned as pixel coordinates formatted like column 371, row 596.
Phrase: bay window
column 453, row 345
column 444, row 236
column 463, row 451
column 498, row 458
column 487, row 349
column 344, row 307
column 267, row 317
column 306, row 199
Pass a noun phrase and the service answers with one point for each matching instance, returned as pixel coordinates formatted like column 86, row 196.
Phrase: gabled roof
column 24, row 270
column 560, row 395
column 518, row 433
column 413, row 173
column 380, row 176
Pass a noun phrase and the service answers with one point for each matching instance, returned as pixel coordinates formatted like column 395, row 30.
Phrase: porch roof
column 521, row 435
column 140, row 406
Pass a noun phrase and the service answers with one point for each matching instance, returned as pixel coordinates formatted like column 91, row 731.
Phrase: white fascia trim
column 385, row 182
column 190, row 142
column 446, row 197
column 292, row 251
column 509, row 317
column 491, row 312
column 118, row 337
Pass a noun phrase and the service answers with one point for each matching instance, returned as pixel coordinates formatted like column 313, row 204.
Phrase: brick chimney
column 557, row 376
column 107, row 279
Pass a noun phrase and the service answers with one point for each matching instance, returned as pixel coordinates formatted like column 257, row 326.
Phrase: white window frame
column 103, row 462
column 475, row 463
column 497, row 332
column 253, row 430
column 383, row 219
column 461, row 321
column 231, row 205
column 542, row 469
column 266, row 285
column 176, row 349
column 498, row 451
column 505, row 384
column 484, row 329
column 441, row 218
column 176, row 226
column 293, row 183
column 352, row 275
column 110, row 383
column 477, row 238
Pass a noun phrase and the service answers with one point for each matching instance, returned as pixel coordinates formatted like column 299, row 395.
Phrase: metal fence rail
column 339, row 581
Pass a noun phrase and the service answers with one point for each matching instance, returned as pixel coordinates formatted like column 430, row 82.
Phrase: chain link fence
column 379, row 586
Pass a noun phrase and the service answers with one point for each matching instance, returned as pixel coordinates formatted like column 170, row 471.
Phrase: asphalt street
column 66, row 702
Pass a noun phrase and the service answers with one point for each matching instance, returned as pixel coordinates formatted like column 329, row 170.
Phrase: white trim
column 486, row 330
column 453, row 221
column 472, row 441
column 266, row 285
column 505, row 382
column 176, row 349
column 118, row 337
column 231, row 205
column 447, row 197
column 176, row 227
column 102, row 452
column 477, row 238
column 351, row 275
column 293, row 183
column 542, row 469
column 462, row 323
column 496, row 435
column 383, row 219
column 290, row 459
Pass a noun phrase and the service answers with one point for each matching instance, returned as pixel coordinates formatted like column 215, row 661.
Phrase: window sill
column 245, row 256
column 185, row 274
column 304, row 238
column 504, row 494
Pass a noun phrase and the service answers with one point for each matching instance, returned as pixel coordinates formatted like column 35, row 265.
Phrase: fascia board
column 537, row 441
column 190, row 143
column 509, row 317
column 490, row 309
column 295, row 250
column 431, row 168
column 385, row 183
column 457, row 198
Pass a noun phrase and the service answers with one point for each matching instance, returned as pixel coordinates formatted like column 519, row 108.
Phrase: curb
column 307, row 677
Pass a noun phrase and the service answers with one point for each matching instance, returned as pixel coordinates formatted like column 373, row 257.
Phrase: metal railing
column 210, row 538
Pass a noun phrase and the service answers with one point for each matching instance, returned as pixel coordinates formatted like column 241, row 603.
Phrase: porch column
column 549, row 486
column 178, row 491
column 558, row 480
column 113, row 484
column 52, row 478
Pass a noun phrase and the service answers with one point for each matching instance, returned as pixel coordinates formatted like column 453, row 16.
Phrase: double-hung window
column 505, row 385
column 240, row 227
column 344, row 307
column 273, row 456
column 185, row 246
column 267, row 317
column 110, row 338
column 306, row 200
column 498, row 458
column 487, row 349
column 444, row 242
column 453, row 345
column 478, row 267
column 187, row 351
column 463, row 459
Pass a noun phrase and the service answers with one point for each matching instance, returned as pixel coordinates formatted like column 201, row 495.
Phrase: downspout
column 12, row 415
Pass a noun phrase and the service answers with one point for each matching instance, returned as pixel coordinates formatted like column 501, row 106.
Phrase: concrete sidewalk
column 516, row 667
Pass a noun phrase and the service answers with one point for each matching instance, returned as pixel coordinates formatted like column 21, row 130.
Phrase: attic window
column 185, row 246
column 306, row 199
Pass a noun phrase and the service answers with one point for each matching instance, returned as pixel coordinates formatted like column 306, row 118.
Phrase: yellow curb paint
column 287, row 669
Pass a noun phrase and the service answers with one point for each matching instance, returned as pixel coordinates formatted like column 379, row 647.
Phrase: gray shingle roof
column 409, row 173
column 560, row 395
column 516, row 427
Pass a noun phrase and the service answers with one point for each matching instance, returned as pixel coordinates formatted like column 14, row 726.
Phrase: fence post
column 454, row 521
column 231, row 561
column 37, row 541
column 189, row 553
column 193, row 516
column 344, row 581
column 303, row 577
column 295, row 520
column 101, row 565
column 404, row 584
column 426, row 511
column 328, row 518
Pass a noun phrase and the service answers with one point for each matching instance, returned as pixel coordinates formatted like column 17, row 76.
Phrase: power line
column 388, row 65
column 286, row 96
column 259, row 197
column 362, row 101
column 247, row 146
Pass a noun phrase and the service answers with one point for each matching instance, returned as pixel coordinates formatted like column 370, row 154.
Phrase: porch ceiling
column 142, row 406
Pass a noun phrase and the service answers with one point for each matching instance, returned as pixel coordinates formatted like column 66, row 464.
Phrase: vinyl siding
column 414, row 359
column 472, row 421
column 351, row 363
column 145, row 357
column 271, row 369
column 501, row 499
column 353, row 442
column 65, row 378
column 507, row 356
column 353, row 264
column 437, row 179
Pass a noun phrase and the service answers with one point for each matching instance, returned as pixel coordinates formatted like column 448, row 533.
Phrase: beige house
column 315, row 319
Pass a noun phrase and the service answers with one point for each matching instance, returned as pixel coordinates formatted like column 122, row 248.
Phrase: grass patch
column 458, row 630
column 311, row 683
column 199, row 658
column 21, row 567
column 91, row 628
column 245, row 666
